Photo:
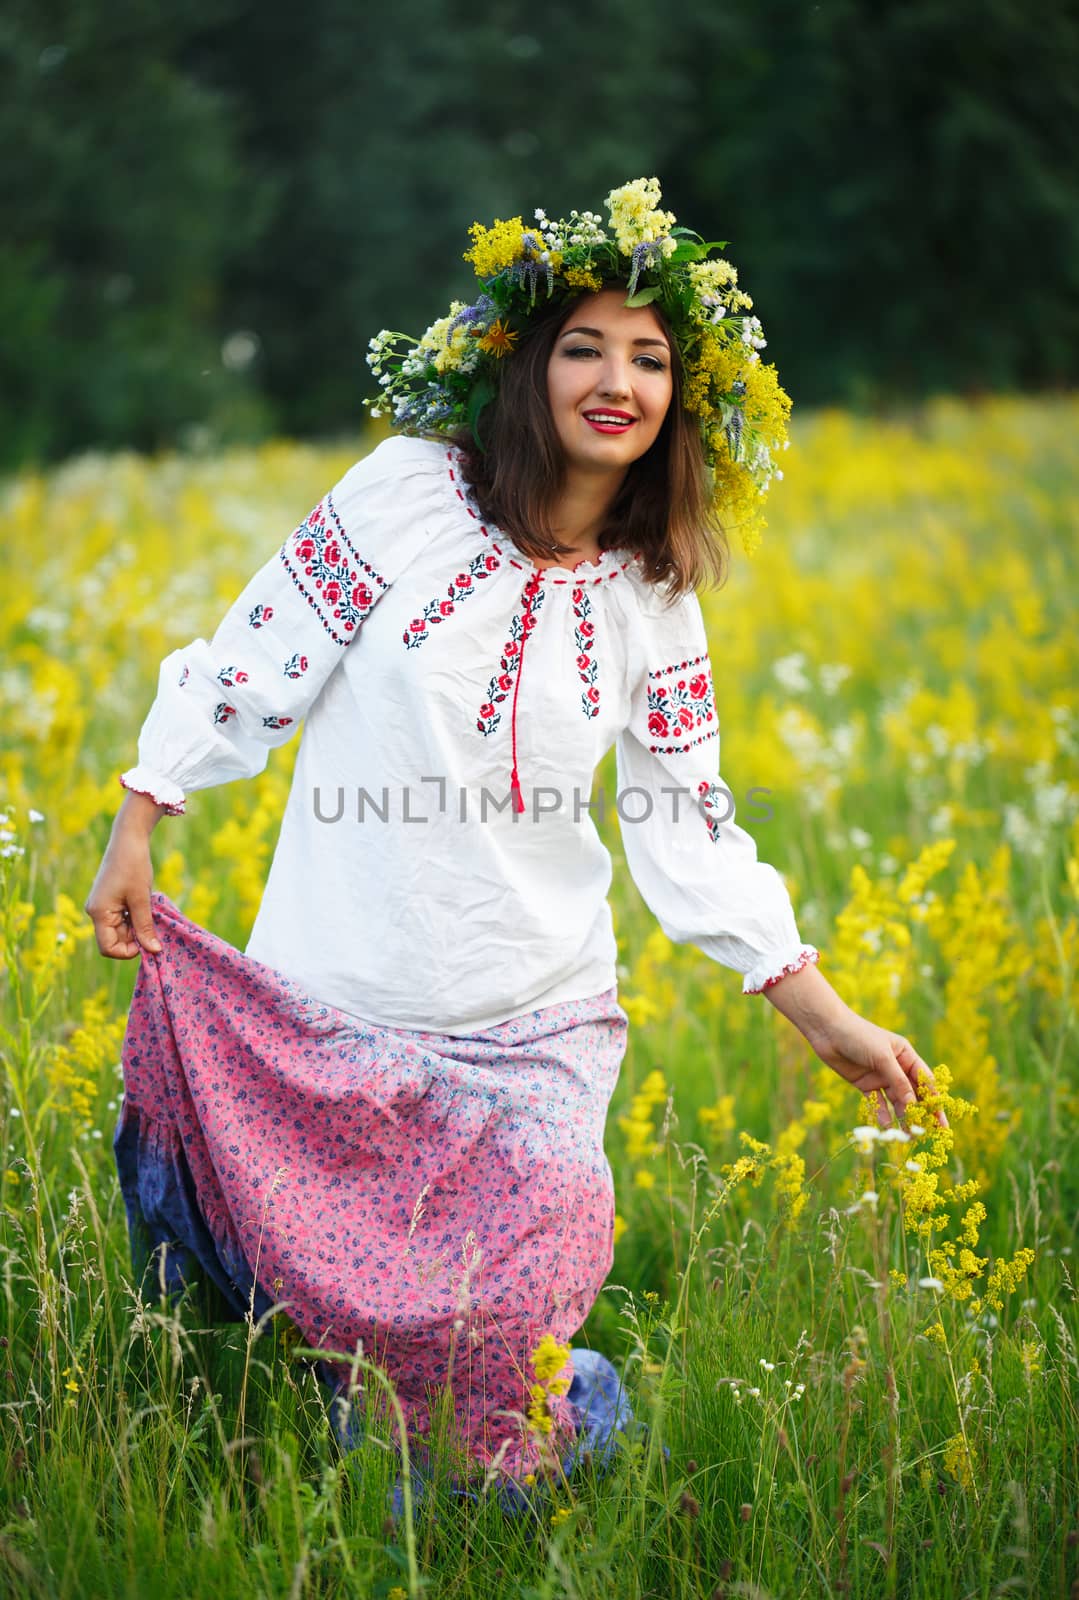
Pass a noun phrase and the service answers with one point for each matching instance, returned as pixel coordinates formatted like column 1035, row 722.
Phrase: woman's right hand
column 119, row 898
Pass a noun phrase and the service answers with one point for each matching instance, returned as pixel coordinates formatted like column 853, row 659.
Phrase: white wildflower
column 791, row 673
column 832, row 674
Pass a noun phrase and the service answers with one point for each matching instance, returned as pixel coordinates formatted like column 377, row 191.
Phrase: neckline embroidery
column 606, row 567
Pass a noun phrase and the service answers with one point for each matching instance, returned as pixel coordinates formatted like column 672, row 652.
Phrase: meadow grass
column 860, row 1352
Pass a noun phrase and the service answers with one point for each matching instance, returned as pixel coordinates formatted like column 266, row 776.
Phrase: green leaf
column 482, row 394
column 643, row 297
column 686, row 251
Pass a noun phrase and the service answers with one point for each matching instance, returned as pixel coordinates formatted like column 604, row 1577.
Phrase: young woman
column 387, row 1114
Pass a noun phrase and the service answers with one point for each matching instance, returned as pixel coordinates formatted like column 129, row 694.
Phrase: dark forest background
column 208, row 208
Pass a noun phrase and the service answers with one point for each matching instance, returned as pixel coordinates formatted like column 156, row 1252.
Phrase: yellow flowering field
column 859, row 1347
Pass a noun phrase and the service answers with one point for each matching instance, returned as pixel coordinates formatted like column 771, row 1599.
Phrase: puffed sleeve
column 222, row 705
column 697, row 870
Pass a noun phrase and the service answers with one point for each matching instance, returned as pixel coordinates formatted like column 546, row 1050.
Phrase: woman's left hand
column 871, row 1058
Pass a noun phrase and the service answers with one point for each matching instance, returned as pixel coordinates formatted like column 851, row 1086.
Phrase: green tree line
column 208, row 209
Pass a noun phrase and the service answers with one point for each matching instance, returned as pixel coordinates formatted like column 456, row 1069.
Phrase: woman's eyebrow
column 597, row 333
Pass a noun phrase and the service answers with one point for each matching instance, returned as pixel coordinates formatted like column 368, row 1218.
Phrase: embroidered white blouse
column 438, row 867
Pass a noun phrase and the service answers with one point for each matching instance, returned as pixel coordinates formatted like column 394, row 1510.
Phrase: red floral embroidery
column 681, row 706
column 708, row 798
column 259, row 615
column 277, row 722
column 501, row 683
column 339, row 586
column 295, row 666
column 185, row 674
column 437, row 610
column 585, row 635
column 229, row 677
column 223, row 713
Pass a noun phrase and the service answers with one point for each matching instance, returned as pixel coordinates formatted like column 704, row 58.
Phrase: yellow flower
column 549, row 1357
column 447, row 346
column 169, row 877
column 720, row 1117
column 495, row 247
column 713, row 278
column 744, row 1167
column 539, row 1415
column 498, row 340
column 76, row 1069
column 636, row 217
column 641, row 1009
column 582, row 278
column 1006, row 1277
column 644, row 1179
column 56, row 934
column 933, row 859
column 956, row 1459
column 718, row 365
column 789, row 1190
column 637, row 1126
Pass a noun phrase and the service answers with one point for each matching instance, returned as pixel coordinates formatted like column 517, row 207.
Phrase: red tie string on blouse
column 527, row 619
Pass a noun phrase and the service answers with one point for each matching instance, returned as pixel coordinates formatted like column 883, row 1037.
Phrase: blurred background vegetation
column 209, row 209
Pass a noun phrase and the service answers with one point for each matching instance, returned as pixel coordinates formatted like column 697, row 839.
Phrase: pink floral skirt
column 443, row 1202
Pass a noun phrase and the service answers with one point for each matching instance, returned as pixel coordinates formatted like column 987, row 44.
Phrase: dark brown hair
column 663, row 511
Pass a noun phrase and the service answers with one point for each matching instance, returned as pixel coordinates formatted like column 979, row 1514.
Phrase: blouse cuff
column 144, row 780
column 767, row 972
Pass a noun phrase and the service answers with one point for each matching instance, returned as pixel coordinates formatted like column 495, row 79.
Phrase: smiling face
column 609, row 382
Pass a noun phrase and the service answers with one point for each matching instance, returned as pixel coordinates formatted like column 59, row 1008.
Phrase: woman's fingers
column 143, row 923
column 122, row 932
column 896, row 1097
column 113, row 933
column 919, row 1073
column 903, row 1078
column 119, row 898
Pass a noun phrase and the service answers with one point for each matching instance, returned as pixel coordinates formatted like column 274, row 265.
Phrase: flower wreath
column 442, row 381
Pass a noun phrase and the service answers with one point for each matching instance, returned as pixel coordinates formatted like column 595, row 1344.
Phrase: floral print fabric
column 446, row 1200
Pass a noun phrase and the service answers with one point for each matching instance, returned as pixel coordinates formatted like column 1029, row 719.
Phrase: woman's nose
column 614, row 380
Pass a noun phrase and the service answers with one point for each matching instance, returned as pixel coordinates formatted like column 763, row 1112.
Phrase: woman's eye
column 581, row 350
column 652, row 364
